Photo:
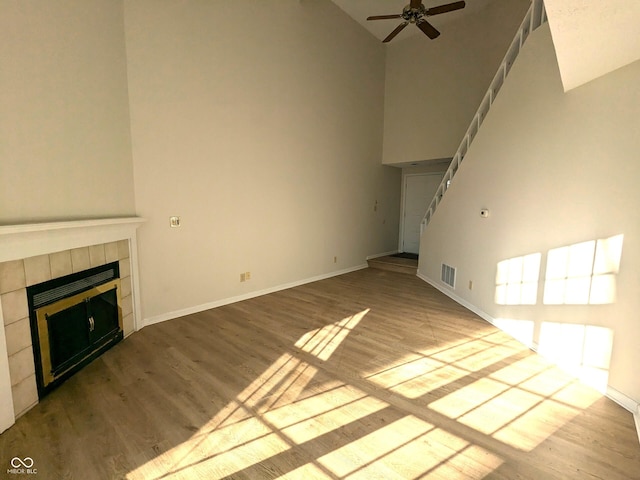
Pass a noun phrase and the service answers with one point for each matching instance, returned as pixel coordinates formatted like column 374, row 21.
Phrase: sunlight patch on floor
column 222, row 452
column 521, row 370
column 413, row 383
column 521, row 404
column 307, row 471
column 419, row 375
column 467, row 398
column 500, row 410
column 396, row 451
column 534, row 426
column 322, row 342
column 306, row 420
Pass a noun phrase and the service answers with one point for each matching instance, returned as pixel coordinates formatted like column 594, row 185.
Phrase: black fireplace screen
column 74, row 319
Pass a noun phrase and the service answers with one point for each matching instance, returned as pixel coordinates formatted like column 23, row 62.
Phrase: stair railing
column 536, row 16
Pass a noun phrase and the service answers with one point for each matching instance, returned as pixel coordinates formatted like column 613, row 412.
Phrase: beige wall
column 264, row 137
column 555, row 170
column 65, row 149
column 433, row 88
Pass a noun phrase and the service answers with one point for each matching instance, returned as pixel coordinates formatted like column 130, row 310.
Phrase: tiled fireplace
column 32, row 254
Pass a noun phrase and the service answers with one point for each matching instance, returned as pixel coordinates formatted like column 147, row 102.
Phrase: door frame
column 403, row 194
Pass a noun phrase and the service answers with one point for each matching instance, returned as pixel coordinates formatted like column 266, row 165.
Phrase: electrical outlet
column 243, row 277
column 470, row 284
column 174, row 222
column 247, row 276
column 335, row 259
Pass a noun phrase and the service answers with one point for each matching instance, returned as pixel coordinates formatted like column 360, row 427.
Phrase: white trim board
column 245, row 296
column 403, row 195
column 385, row 254
column 620, row 398
column 636, row 417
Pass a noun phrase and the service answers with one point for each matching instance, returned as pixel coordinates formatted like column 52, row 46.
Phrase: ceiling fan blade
column 397, row 30
column 449, row 7
column 383, row 17
column 428, row 29
column 415, row 3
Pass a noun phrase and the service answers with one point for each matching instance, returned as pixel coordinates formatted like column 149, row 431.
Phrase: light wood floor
column 368, row 375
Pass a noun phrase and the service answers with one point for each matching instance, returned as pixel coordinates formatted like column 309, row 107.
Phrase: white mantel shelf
column 40, row 227
column 31, row 239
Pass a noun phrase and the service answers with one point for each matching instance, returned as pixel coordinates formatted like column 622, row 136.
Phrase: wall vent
column 448, row 275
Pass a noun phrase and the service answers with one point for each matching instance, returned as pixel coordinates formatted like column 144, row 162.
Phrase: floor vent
column 448, row 275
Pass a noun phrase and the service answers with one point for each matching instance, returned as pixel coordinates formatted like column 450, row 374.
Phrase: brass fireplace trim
column 58, row 306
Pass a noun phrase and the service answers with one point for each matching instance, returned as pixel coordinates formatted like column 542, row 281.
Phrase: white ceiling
column 359, row 10
column 593, row 37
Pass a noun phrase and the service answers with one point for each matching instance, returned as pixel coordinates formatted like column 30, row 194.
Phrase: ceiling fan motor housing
column 412, row 15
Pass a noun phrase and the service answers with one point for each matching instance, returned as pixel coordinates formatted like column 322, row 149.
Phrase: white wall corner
column 449, row 293
column 135, row 286
column 636, row 417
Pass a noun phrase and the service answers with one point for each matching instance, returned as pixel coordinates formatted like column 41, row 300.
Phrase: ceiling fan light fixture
column 415, row 13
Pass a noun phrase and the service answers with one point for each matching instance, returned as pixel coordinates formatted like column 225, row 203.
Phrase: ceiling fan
column 416, row 12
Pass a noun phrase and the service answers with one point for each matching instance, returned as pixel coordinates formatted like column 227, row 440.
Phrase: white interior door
column 419, row 190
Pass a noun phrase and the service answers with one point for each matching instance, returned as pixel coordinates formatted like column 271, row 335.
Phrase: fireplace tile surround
column 31, row 254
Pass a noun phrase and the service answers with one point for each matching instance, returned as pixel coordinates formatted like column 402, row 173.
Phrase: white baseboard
column 620, row 398
column 449, row 293
column 636, row 417
column 245, row 296
column 624, row 401
column 385, row 254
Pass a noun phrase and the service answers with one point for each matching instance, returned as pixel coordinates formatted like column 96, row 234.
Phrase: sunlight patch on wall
column 583, row 273
column 521, row 330
column 322, row 342
column 517, row 280
column 582, row 350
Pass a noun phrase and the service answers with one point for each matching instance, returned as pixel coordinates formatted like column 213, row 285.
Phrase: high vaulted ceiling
column 361, row 9
column 591, row 37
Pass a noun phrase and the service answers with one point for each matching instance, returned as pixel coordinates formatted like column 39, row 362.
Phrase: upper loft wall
column 65, row 147
column 434, row 87
column 593, row 38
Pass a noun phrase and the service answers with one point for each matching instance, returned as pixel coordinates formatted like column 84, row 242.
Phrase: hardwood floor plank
column 372, row 374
